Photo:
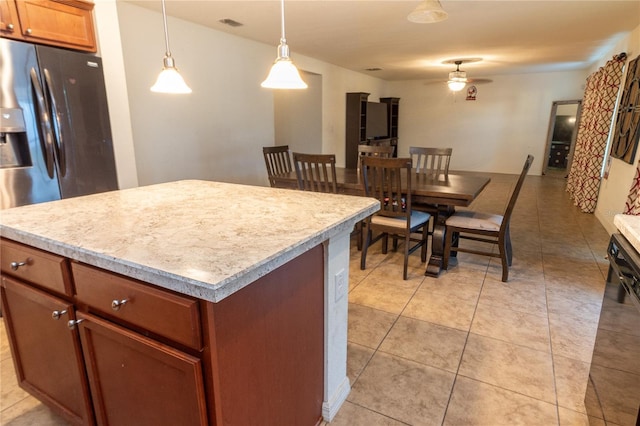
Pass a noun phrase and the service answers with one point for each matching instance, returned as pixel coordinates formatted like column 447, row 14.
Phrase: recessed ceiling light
column 230, row 22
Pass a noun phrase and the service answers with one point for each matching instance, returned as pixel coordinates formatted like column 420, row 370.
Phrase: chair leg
column 359, row 235
column 504, row 257
column 425, row 237
column 365, row 245
column 509, row 249
column 385, row 243
column 407, row 243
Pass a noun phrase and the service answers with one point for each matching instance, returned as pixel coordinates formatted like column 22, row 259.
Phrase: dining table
column 440, row 194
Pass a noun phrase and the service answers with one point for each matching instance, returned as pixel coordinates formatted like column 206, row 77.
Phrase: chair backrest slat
column 389, row 180
column 278, row 161
column 431, row 161
column 315, row 172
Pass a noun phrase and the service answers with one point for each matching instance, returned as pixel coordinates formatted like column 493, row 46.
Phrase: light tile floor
column 465, row 348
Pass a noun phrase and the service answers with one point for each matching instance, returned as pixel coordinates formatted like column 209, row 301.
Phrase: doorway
column 561, row 137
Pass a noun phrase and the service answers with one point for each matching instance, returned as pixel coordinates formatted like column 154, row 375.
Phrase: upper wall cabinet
column 64, row 23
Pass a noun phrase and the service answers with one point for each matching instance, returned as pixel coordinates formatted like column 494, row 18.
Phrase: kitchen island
column 188, row 302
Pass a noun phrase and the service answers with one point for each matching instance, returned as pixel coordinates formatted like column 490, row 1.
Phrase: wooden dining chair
column 315, row 172
column 389, row 180
column 431, row 161
column 384, row 151
column 278, row 161
column 484, row 227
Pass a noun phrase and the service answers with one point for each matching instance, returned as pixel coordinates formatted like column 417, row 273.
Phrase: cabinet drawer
column 158, row 311
column 44, row 269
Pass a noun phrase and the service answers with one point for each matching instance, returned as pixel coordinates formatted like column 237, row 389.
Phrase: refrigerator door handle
column 57, row 126
column 44, row 121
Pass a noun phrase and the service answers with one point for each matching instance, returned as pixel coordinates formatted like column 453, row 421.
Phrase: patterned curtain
column 598, row 105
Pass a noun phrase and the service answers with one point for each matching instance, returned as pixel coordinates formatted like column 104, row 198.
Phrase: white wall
column 508, row 120
column 615, row 188
column 218, row 131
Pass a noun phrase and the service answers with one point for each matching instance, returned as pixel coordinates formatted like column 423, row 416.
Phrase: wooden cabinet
column 393, row 106
column 46, row 354
column 102, row 351
column 64, row 23
column 9, row 22
column 119, row 351
column 356, row 125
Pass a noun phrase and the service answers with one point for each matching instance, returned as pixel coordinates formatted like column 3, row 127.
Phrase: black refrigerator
column 55, row 136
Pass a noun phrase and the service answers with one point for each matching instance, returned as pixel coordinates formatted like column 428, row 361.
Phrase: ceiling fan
column 458, row 79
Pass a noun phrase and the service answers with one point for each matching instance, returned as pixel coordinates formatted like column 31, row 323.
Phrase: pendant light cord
column 166, row 31
column 283, row 38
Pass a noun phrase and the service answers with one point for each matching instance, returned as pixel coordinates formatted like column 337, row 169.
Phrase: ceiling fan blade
column 473, row 81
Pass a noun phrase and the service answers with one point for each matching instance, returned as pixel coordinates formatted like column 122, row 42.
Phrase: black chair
column 487, row 228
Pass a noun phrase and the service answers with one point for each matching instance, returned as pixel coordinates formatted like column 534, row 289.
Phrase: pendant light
column 427, row 12
column 457, row 79
column 169, row 80
column 283, row 74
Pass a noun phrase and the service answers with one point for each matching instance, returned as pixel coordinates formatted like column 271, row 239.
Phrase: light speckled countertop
column 629, row 226
column 205, row 239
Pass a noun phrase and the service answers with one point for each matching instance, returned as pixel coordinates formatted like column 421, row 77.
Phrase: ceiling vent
column 373, row 69
column 230, row 22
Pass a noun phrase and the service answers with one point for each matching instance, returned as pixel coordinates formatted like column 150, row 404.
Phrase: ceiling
column 512, row 37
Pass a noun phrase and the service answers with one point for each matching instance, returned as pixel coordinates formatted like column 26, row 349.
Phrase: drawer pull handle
column 72, row 323
column 117, row 304
column 10, row 27
column 16, row 265
column 57, row 314
column 29, row 31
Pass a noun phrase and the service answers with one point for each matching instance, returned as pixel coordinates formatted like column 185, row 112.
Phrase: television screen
column 376, row 120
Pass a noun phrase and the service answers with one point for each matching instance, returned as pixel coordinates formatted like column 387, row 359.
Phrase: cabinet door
column 136, row 380
column 9, row 24
column 46, row 354
column 68, row 24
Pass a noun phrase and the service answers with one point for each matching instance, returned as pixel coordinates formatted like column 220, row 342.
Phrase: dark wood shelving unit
column 356, row 125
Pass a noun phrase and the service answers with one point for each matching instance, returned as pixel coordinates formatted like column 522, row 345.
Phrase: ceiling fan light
column 427, row 12
column 456, row 86
column 457, row 80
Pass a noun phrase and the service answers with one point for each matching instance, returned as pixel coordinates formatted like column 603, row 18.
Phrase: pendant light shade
column 283, row 73
column 169, row 80
column 427, row 12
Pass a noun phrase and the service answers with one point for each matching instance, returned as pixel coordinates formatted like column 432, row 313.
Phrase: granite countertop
column 629, row 226
column 205, row 239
